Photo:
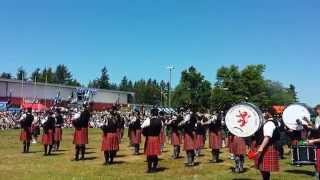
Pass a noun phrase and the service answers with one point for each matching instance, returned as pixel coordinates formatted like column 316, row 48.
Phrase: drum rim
column 256, row 108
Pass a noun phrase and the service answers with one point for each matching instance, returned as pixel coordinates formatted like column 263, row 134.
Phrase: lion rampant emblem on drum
column 243, row 118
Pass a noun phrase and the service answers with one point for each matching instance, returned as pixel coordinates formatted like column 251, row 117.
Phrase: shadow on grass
column 298, row 171
column 244, row 170
column 242, row 179
column 161, row 169
column 90, row 158
column 121, row 155
column 90, row 152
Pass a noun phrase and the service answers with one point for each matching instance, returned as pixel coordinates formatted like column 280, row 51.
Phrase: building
column 17, row 92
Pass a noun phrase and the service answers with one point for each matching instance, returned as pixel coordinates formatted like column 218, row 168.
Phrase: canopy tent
column 34, row 106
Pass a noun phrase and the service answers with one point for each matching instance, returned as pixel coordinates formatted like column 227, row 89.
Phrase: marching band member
column 267, row 159
column 85, row 118
column 25, row 135
column 151, row 128
column 136, row 133
column 188, row 125
column 200, row 136
column 238, row 149
column 315, row 140
column 110, row 139
column 35, row 128
column 215, row 140
column 162, row 134
column 48, row 132
column 58, row 129
column 78, row 137
column 175, row 134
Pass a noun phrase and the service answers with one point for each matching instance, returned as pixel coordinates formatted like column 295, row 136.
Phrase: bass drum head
column 244, row 120
column 294, row 113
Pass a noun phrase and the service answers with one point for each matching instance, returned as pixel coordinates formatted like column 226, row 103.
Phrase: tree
column 293, row 92
column 124, row 86
column 21, row 74
column 62, row 75
column 102, row 82
column 192, row 90
column 6, row 75
column 36, row 75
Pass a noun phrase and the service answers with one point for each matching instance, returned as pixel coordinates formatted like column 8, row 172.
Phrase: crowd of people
column 185, row 130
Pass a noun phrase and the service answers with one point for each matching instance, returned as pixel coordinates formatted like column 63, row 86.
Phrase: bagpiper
column 188, row 125
column 58, row 129
column 215, row 140
column 79, row 139
column 151, row 128
column 25, row 135
column 110, row 139
column 176, row 140
column 48, row 133
column 136, row 132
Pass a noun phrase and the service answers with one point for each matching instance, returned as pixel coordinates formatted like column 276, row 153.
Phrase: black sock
column 83, row 151
column 24, row 147
column 50, row 149
column 57, row 145
column 106, row 156
column 265, row 175
column 27, row 147
column 77, row 153
column 45, row 149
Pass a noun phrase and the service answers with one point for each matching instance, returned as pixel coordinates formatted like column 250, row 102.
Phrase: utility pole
column 171, row 68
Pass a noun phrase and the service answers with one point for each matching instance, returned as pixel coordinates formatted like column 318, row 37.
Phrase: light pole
column 171, row 68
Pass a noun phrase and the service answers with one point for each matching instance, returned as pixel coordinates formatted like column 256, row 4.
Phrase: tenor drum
column 244, row 120
column 303, row 155
column 294, row 115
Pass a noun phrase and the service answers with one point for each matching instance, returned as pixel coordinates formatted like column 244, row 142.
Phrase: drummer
column 316, row 141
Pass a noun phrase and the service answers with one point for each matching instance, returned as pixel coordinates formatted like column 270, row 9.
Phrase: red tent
column 34, row 106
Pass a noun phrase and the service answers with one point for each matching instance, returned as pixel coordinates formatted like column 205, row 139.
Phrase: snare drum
column 303, row 155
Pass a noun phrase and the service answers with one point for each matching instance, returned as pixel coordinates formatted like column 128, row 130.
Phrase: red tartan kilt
column 136, row 136
column 110, row 142
column 58, row 134
column 25, row 135
column 47, row 139
column 215, row 140
column 86, row 136
column 199, row 141
column 162, row 137
column 175, row 139
column 317, row 165
column 238, row 146
column 268, row 161
column 152, row 146
column 79, row 137
column 188, row 142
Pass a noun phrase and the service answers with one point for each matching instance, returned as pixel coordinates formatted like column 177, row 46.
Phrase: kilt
column 317, row 165
column 79, row 137
column 136, row 136
column 175, row 139
column 35, row 130
column 188, row 142
column 86, row 136
column 110, row 142
column 58, row 134
column 238, row 146
column 215, row 141
column 268, row 161
column 162, row 137
column 25, row 135
column 199, row 141
column 152, row 146
column 47, row 138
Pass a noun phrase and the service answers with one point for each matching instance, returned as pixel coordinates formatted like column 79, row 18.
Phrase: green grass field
column 17, row 166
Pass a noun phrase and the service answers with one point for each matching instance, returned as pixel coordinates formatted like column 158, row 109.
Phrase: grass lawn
column 17, row 166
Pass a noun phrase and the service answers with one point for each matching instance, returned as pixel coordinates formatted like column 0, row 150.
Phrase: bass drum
column 293, row 116
column 244, row 120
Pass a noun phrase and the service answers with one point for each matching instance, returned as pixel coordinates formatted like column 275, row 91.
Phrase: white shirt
column 268, row 129
column 317, row 122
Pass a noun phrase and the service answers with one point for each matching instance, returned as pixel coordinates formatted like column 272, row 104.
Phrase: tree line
column 233, row 85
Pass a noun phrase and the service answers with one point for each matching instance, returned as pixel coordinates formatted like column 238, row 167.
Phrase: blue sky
column 140, row 38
